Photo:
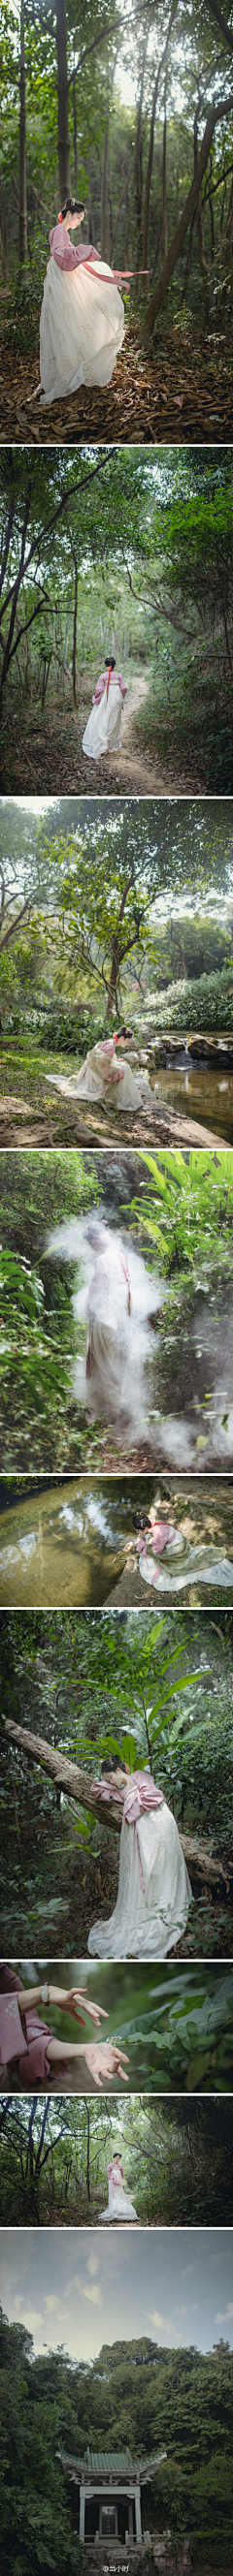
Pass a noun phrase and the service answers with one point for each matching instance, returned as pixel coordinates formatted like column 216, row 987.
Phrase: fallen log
column 77, row 1784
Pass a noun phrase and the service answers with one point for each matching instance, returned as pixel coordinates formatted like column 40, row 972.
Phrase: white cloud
column 222, row 2317
column 89, row 2291
column 53, row 2303
column 32, row 2318
column 93, row 2263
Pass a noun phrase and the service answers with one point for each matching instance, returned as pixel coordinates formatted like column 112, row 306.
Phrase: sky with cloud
column 66, row 2291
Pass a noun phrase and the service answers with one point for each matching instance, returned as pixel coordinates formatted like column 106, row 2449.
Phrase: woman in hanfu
column 103, row 730
column 107, row 1077
column 120, row 2207
column 154, row 1892
column 108, row 1309
column 82, row 314
column 168, row 1562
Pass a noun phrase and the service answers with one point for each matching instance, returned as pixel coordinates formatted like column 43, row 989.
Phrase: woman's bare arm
column 102, row 2062
column 64, row 1999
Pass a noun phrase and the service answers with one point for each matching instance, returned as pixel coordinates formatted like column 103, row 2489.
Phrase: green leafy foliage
column 36, row 1354
column 188, row 1210
column 208, row 1001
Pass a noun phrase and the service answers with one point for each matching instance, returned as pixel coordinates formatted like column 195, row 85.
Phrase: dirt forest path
column 130, row 763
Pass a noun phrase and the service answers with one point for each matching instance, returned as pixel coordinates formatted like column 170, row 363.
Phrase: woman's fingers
column 98, row 2012
column 121, row 2061
column 106, row 2061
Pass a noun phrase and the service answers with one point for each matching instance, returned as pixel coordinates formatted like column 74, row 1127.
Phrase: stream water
column 65, row 1547
column 199, row 1091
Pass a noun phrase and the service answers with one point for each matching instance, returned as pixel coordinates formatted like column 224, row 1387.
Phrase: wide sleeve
column 122, row 684
column 35, row 2061
column 61, row 248
column 99, row 691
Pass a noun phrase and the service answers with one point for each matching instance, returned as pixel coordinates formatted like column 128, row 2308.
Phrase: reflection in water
column 61, row 1549
column 200, row 1092
column 67, row 1547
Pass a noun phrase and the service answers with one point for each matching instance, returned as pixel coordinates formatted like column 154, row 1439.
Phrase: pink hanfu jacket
column 27, row 2052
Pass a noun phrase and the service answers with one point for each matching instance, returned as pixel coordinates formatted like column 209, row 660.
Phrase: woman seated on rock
column 107, row 1077
column 154, row 1890
column 183, row 1562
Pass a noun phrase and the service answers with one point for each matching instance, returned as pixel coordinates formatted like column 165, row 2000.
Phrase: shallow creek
column 66, row 1546
column 200, row 1091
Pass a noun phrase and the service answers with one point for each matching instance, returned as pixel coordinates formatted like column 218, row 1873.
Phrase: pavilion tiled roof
column 110, row 2463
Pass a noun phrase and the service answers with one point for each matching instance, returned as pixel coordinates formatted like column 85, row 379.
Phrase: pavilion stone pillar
column 130, row 2521
column 138, row 2519
column 82, row 2502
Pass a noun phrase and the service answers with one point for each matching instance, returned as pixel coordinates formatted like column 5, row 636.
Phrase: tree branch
column 78, row 1785
column 104, row 32
column 221, row 22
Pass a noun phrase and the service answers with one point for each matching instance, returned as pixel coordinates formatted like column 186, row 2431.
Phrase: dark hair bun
column 109, row 665
column 73, row 206
column 111, row 1764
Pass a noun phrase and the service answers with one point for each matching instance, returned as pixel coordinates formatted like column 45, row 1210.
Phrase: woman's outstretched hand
column 76, row 1997
column 105, row 2062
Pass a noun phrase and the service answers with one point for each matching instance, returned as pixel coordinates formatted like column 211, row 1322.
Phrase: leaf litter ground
column 175, row 391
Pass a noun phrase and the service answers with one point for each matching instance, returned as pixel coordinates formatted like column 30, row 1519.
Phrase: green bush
column 21, row 316
column 207, row 1004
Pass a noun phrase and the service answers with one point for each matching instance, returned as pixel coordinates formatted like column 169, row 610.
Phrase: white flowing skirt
column 147, row 1921
column 132, row 1093
column 103, row 730
column 81, row 330
column 119, row 2206
column 106, row 1387
column 205, row 1564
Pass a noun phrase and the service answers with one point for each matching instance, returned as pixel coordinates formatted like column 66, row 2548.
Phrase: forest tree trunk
column 151, row 140
column 75, row 139
column 164, row 177
column 63, row 103
column 104, row 198
column 138, row 161
column 23, row 240
column 158, row 297
column 3, row 230
column 200, row 239
column 116, row 957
